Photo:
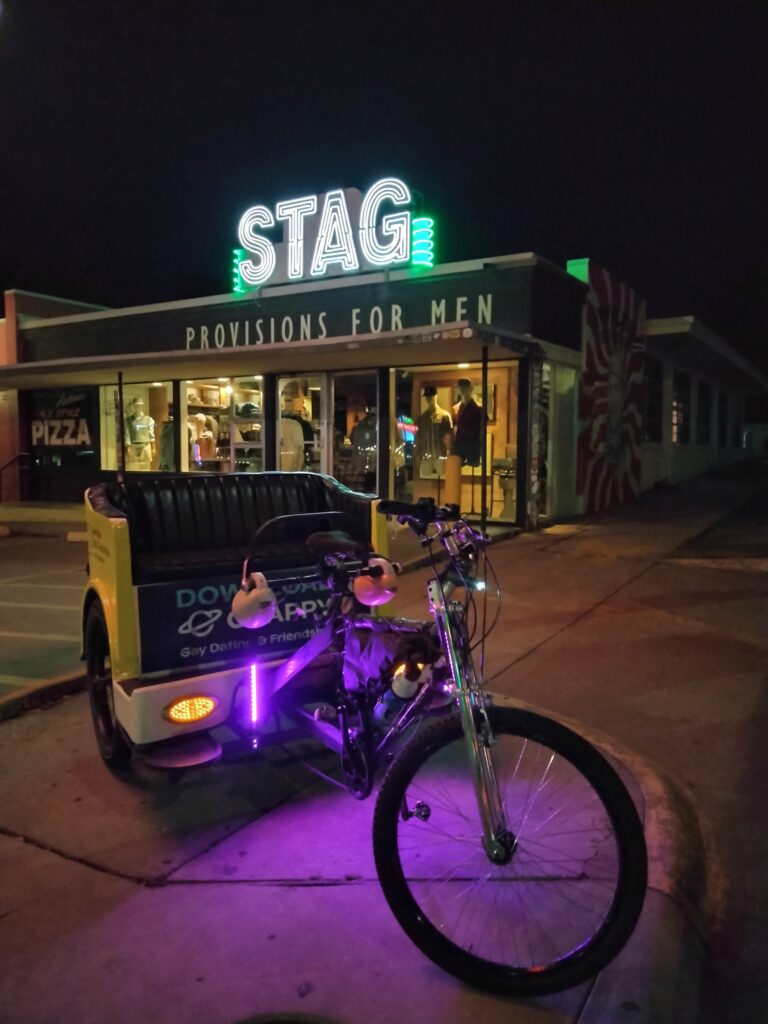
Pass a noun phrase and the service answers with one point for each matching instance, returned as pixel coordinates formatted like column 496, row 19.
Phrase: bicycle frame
column 471, row 703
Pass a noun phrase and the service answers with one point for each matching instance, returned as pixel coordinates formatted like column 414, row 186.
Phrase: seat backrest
column 187, row 512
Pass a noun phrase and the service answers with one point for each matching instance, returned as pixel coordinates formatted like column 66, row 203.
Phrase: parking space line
column 44, row 575
column 55, row 637
column 48, row 586
column 17, row 680
column 37, row 604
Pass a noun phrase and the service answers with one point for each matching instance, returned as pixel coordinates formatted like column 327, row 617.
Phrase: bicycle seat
column 335, row 543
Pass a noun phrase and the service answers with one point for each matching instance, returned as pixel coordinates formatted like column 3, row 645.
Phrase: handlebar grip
column 423, row 511
column 424, row 508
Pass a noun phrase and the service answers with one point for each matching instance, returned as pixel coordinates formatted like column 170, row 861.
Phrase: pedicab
column 241, row 610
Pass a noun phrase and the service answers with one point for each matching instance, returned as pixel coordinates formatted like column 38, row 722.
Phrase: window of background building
column 704, row 413
column 653, row 426
column 722, row 418
column 736, row 426
column 681, row 408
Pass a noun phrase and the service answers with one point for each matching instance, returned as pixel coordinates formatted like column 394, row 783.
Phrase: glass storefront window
column 146, row 431
column 437, row 446
column 206, row 408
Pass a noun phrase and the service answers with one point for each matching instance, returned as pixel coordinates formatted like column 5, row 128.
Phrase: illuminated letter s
column 397, row 225
column 256, row 273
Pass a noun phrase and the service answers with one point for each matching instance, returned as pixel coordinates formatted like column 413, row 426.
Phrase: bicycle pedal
column 325, row 713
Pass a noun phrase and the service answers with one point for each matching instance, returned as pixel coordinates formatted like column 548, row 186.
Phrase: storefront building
column 517, row 388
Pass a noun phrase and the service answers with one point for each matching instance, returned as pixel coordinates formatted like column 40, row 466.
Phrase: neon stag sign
column 340, row 232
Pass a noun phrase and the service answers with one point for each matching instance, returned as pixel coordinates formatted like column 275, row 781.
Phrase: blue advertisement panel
column 189, row 624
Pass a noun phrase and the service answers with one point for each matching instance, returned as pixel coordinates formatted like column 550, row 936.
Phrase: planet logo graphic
column 201, row 623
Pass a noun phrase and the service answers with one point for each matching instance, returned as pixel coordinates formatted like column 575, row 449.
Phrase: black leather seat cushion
column 192, row 526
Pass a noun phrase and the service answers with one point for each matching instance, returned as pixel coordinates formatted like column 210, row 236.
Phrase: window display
column 147, row 409
column 224, row 424
column 437, row 444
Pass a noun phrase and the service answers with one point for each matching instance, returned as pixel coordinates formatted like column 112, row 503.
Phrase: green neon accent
column 579, row 268
column 238, row 285
column 422, row 243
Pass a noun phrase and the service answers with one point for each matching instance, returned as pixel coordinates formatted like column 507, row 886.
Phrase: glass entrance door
column 328, row 423
column 355, row 445
column 302, row 417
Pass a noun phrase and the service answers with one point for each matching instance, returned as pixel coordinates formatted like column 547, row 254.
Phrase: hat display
column 429, row 391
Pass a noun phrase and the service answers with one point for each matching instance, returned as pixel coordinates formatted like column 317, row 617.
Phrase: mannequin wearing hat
column 469, row 419
column 433, row 438
column 139, row 435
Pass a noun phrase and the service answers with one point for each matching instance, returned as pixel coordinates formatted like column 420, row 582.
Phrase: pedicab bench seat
column 194, row 526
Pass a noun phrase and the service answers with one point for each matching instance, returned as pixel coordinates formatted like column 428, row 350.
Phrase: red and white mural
column 612, row 393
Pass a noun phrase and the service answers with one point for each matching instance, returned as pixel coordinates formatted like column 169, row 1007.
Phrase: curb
column 59, row 531
column 41, row 694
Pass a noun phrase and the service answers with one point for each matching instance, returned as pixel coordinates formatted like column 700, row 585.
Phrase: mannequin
column 433, row 438
column 291, row 433
column 139, row 435
column 468, row 415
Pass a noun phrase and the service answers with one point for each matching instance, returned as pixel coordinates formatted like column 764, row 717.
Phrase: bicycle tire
column 607, row 822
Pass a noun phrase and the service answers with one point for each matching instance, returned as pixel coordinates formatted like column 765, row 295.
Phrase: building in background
column 510, row 385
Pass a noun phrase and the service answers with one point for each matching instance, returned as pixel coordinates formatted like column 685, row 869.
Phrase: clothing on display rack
column 203, row 437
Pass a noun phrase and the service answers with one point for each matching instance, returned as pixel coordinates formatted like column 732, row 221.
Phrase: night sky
column 134, row 134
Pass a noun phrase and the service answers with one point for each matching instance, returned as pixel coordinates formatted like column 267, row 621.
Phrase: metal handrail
column 10, row 462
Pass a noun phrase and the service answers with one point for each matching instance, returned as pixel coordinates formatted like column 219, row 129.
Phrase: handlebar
column 421, row 512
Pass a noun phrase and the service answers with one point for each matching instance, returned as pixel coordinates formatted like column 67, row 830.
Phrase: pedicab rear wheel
column 113, row 746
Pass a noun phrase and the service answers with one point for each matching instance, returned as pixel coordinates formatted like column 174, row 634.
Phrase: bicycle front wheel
column 572, row 889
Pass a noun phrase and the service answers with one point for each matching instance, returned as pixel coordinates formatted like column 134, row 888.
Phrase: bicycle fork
column 498, row 841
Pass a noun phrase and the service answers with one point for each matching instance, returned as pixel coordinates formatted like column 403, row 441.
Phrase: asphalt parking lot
column 41, row 582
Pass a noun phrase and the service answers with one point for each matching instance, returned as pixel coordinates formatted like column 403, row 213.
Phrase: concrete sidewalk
column 43, row 519
column 108, row 873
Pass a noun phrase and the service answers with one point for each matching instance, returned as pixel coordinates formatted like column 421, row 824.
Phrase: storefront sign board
column 526, row 300
column 64, row 419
